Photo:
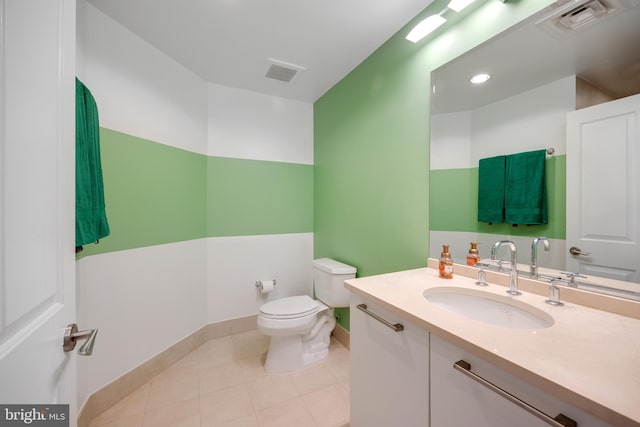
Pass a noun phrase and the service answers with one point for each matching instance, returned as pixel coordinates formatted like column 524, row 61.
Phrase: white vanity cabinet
column 389, row 369
column 459, row 400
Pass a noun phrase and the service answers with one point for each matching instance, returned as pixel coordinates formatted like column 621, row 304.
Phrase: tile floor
column 223, row 383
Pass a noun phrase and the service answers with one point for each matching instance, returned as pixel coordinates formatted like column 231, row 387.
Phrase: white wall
column 251, row 125
column 234, row 264
column 143, row 301
column 531, row 120
column 139, row 90
column 450, row 140
column 146, row 299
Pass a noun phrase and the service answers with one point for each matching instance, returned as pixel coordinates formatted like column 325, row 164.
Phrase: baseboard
column 342, row 335
column 104, row 398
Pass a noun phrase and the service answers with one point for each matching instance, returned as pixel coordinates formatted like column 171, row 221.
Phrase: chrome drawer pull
column 396, row 327
column 559, row 421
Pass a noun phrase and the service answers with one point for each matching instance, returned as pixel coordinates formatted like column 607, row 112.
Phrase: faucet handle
column 572, row 277
column 482, row 281
column 571, row 274
column 554, row 293
column 551, row 279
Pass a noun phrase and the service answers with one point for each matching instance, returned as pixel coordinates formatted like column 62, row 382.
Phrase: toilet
column 299, row 326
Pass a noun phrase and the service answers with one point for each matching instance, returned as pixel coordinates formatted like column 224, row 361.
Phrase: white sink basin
column 489, row 308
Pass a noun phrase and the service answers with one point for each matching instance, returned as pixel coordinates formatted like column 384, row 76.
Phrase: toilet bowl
column 299, row 326
column 300, row 330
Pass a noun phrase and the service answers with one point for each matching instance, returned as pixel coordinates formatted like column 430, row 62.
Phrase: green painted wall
column 154, row 194
column 371, row 144
column 454, row 203
column 250, row 197
column 157, row 194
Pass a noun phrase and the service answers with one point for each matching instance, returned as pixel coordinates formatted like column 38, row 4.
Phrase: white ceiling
column 229, row 41
column 606, row 53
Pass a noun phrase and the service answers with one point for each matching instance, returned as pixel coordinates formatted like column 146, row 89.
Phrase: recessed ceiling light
column 480, row 78
column 425, row 27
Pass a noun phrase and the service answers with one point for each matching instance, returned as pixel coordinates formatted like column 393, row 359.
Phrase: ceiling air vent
column 583, row 14
column 283, row 71
column 566, row 16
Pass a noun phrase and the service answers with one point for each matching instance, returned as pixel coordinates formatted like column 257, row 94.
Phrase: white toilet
column 299, row 326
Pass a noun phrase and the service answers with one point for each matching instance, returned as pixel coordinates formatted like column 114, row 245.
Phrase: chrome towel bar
column 396, row 327
column 559, row 421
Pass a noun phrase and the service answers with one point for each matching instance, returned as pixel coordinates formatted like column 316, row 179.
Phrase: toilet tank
column 328, row 281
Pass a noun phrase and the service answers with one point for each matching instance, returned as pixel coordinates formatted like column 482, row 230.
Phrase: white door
column 603, row 189
column 37, row 173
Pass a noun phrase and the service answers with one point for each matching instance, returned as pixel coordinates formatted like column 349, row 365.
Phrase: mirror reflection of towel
column 491, row 189
column 525, row 193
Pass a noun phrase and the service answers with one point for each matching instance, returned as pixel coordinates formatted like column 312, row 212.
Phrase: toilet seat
column 290, row 308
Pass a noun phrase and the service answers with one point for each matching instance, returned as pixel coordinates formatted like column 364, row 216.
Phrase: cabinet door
column 389, row 370
column 457, row 400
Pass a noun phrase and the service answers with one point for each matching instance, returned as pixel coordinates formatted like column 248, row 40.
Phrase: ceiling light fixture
column 480, row 78
column 426, row 26
column 458, row 5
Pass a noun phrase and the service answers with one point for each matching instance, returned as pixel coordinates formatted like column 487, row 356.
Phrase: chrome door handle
column 560, row 420
column 574, row 250
column 71, row 335
column 396, row 327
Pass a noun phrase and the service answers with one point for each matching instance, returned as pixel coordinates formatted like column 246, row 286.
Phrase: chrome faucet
column 513, row 274
column 533, row 269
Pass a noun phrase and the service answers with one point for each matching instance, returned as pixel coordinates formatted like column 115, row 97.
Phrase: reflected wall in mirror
column 542, row 70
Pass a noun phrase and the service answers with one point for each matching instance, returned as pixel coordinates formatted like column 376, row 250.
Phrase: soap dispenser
column 446, row 263
column 472, row 256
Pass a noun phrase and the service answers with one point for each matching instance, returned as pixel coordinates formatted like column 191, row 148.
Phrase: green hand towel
column 525, row 195
column 91, row 217
column 491, row 182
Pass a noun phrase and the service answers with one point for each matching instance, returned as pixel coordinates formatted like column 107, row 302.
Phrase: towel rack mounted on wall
column 550, row 151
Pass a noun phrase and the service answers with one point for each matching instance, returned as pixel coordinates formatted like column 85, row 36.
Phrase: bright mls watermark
column 34, row 415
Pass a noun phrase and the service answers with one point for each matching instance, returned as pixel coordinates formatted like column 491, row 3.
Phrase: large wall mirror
column 572, row 58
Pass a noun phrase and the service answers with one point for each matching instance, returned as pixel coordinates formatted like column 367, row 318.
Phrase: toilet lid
column 290, row 307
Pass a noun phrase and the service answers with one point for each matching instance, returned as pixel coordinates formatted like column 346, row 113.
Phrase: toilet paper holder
column 261, row 287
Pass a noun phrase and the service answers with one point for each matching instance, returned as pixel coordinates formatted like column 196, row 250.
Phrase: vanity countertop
column 589, row 358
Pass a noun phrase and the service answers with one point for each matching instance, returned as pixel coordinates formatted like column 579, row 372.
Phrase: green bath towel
column 525, row 195
column 91, row 218
column 491, row 188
